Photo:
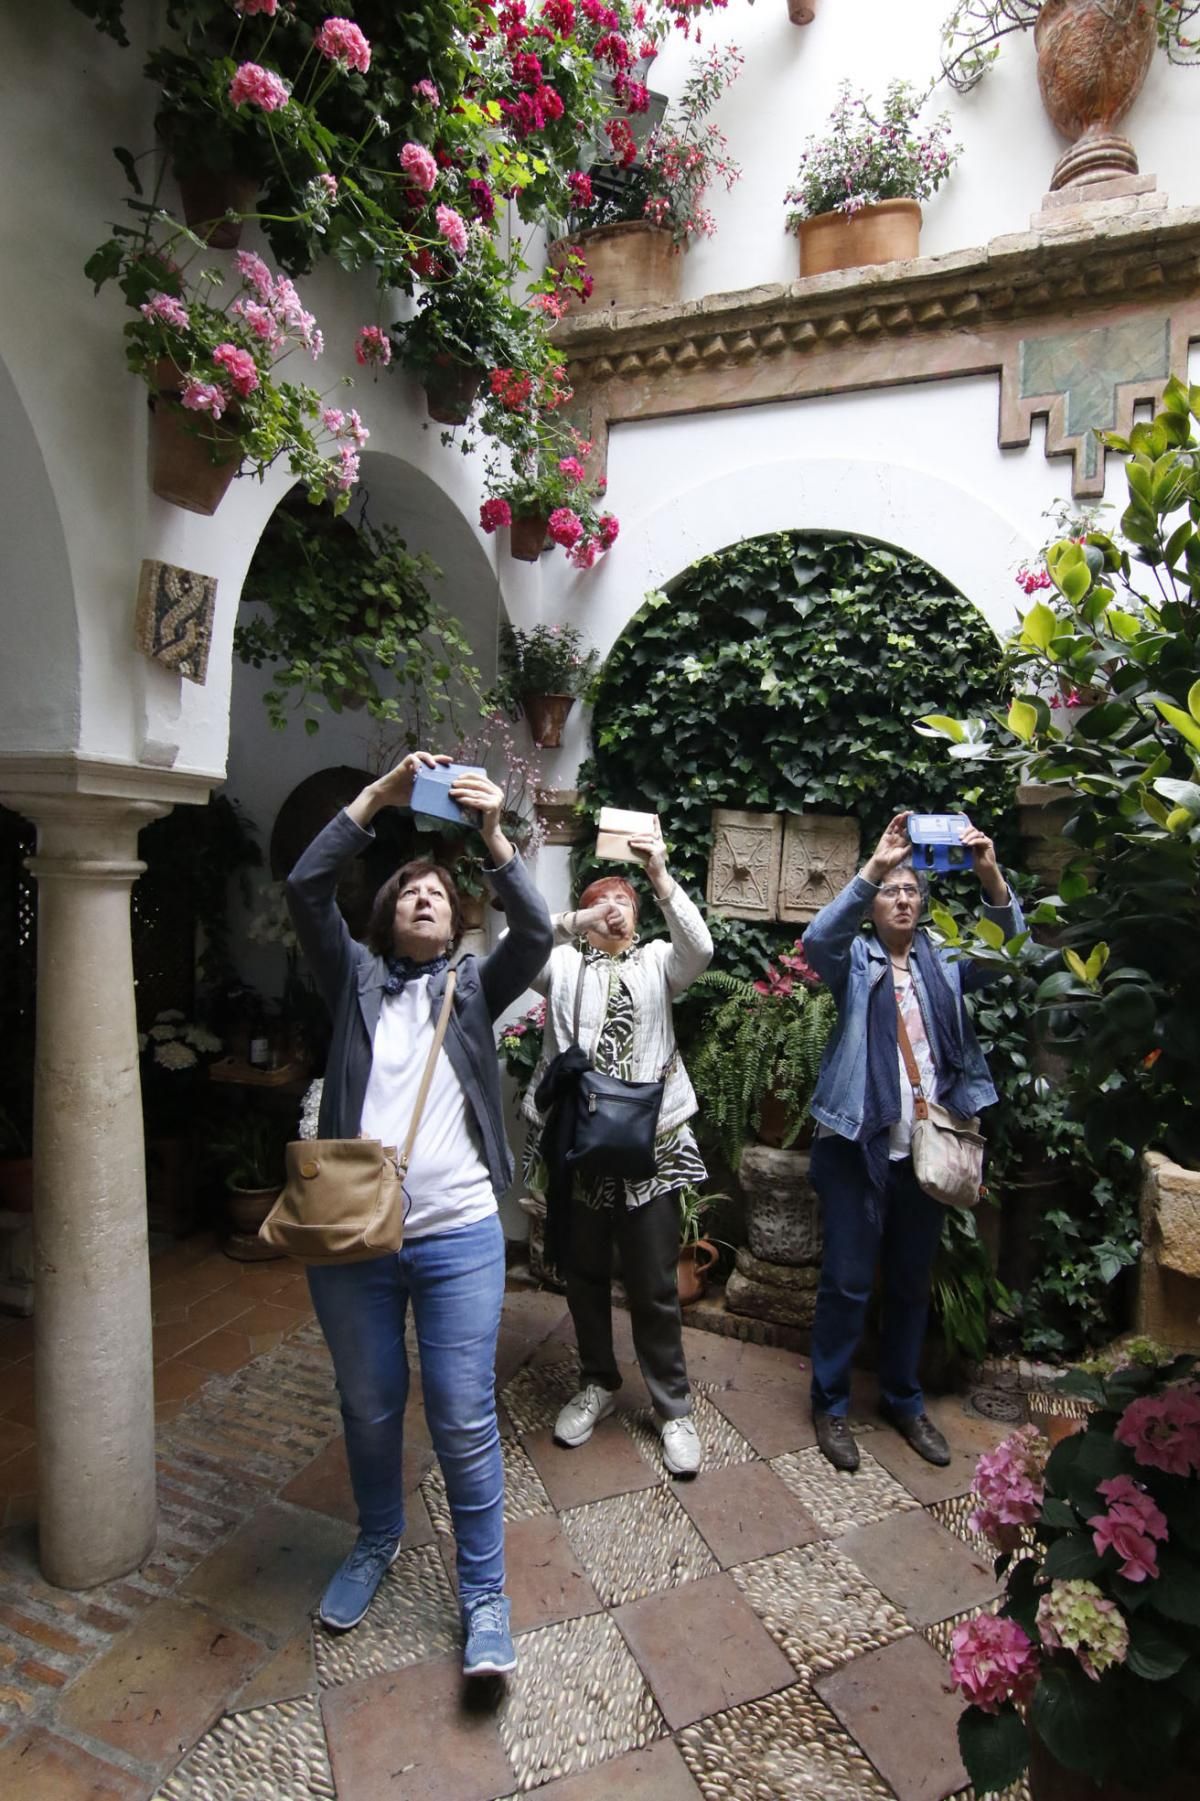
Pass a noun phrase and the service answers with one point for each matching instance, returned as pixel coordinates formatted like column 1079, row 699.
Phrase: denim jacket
column 851, row 962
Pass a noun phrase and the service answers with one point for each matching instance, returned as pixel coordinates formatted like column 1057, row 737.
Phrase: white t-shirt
column 448, row 1185
column 900, row 1135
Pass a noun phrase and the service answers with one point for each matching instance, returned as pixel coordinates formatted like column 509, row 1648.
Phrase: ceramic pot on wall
column 1092, row 59
column 450, row 391
column 207, row 194
column 802, row 12
column 546, row 714
column 888, row 232
column 631, row 263
column 527, row 536
column 247, row 1209
column 183, row 468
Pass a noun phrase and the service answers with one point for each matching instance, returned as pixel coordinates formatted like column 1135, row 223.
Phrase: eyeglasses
column 892, row 889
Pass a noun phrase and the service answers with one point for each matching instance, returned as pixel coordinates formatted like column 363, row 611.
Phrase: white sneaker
column 681, row 1446
column 582, row 1414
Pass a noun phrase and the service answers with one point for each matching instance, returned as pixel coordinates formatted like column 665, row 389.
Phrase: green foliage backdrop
column 785, row 673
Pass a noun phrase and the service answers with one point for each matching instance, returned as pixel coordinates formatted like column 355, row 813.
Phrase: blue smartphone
column 936, row 840
column 431, row 791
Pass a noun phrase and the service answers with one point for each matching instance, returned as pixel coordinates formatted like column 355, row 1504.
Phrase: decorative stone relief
column 743, row 869
column 783, row 1216
column 820, row 854
column 173, row 617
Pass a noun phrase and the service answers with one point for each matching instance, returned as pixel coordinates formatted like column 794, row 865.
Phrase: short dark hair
column 380, row 935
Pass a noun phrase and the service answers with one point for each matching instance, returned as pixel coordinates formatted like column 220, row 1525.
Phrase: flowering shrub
column 545, row 477
column 863, row 159
column 1099, row 1624
column 545, row 659
column 520, row 1045
column 175, row 1042
column 215, row 364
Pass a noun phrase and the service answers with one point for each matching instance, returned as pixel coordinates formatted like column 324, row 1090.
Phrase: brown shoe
column 921, row 1433
column 836, row 1440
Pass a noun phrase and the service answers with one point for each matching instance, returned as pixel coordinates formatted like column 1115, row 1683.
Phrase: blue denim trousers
column 455, row 1281
column 899, row 1231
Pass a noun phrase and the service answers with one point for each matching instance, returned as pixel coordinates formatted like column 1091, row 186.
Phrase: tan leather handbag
column 344, row 1199
column 947, row 1152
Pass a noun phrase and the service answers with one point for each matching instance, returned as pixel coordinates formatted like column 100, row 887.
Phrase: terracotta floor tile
column 170, row 1340
column 37, row 1766
column 760, row 1367
column 218, row 1353
column 176, row 1380
column 166, row 1411
column 744, row 1511
column 656, row 1773
column 773, row 1420
column 324, row 1484
column 16, row 1393
column 545, row 1579
column 268, row 1316
column 417, row 1733
column 738, row 1659
column 192, row 1282
column 18, row 1510
column 261, row 1342
column 926, row 1571
column 270, row 1574
column 14, row 1437
column 897, row 1703
column 711, row 1357
column 608, row 1464
column 157, row 1689
column 18, row 1473
column 291, row 1672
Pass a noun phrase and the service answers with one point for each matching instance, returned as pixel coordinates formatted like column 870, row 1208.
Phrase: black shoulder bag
column 616, row 1122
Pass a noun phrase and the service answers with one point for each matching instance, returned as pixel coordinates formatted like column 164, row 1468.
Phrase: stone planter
column 190, row 470
column 784, row 1293
column 632, row 264
column 527, row 536
column 1092, row 59
column 206, row 195
column 783, row 1219
column 546, row 715
column 691, row 1272
column 888, row 232
column 1167, row 1308
column 450, row 391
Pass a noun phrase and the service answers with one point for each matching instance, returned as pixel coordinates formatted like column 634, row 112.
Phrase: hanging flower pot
column 450, row 390
column 527, row 536
column 691, row 1271
column 206, row 195
column 887, row 232
column 802, row 12
column 546, row 714
column 188, row 470
column 631, row 263
column 1092, row 59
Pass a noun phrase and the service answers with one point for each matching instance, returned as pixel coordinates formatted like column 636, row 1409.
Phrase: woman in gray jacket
column 385, row 997
column 626, row 990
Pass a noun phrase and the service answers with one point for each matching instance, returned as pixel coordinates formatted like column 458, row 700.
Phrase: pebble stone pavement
column 771, row 1629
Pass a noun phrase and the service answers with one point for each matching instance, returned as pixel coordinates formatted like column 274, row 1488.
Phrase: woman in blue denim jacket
column 872, row 1210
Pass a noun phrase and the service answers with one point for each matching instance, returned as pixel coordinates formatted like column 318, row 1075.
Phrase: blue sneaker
column 489, row 1650
column 352, row 1590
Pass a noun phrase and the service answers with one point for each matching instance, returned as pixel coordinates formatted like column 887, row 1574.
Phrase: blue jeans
column 455, row 1281
column 900, row 1231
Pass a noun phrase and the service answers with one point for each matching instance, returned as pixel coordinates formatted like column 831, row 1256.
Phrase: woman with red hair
column 623, row 991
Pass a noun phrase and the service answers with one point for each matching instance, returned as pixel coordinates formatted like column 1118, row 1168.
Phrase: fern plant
column 758, row 1040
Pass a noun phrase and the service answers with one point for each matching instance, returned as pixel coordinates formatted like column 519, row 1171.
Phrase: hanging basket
column 450, row 390
column 888, row 232
column 546, row 714
column 1092, row 60
column 802, row 12
column 190, row 471
column 206, row 195
column 632, row 263
column 527, row 536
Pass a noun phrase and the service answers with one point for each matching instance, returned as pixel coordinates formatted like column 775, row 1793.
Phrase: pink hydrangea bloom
column 1078, row 1616
column 572, row 468
column 453, row 229
column 1163, row 1430
column 256, row 86
column 565, row 527
column 166, row 310
column 372, row 345
column 610, row 527
column 269, row 7
column 342, row 42
column 255, row 274
column 1009, row 1484
column 240, row 367
column 992, row 1660
column 1129, row 1528
column 202, row 397
column 418, row 162
column 494, row 513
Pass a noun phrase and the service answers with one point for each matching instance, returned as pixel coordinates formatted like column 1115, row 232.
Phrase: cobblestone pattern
column 637, row 1544
column 844, row 1501
column 788, row 1745
column 274, row 1753
column 413, row 1616
column 578, row 1698
column 721, row 1443
column 818, row 1607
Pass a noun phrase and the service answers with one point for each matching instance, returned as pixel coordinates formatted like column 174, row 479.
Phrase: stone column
column 93, row 1364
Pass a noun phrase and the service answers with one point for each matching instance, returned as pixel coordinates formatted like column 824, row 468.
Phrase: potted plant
column 857, row 195
column 1090, row 1672
column 1092, row 59
column 216, row 404
column 520, row 1046
column 465, row 324
column 756, row 1059
column 542, row 492
column 542, row 670
column 697, row 1252
column 249, row 1153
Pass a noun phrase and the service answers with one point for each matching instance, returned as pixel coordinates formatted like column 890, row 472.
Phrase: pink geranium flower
column 373, row 345
column 166, row 310
column 494, row 513
column 584, row 554
column 260, row 320
column 418, row 163
column 572, row 468
column 240, row 367
column 992, row 1661
column 1163, row 1430
column 342, row 42
column 203, row 397
column 255, row 274
column 268, row 7
column 565, row 527
column 256, row 86
column 580, row 186
column 347, row 473
column 609, row 526
column 427, row 90
column 453, row 229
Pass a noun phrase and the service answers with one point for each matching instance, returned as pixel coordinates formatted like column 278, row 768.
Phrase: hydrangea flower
column 253, row 85
column 1129, row 1528
column 992, row 1661
column 343, row 43
column 1009, row 1485
column 1077, row 1616
column 1163, row 1430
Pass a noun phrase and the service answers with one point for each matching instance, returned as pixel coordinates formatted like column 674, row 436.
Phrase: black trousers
column 647, row 1241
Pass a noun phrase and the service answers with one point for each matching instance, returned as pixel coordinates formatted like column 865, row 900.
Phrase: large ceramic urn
column 1092, row 58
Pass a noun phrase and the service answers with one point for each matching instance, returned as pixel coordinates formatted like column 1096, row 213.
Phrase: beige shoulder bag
column 947, row 1152
column 344, row 1199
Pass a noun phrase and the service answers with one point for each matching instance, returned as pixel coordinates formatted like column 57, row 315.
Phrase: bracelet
column 570, row 929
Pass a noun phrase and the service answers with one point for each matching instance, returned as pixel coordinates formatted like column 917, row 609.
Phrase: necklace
column 902, row 967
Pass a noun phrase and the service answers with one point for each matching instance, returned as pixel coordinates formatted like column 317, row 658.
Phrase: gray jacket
column 350, row 979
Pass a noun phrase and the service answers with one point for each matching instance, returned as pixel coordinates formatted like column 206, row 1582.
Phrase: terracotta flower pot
column 802, row 12
column 247, row 1209
column 1092, row 59
column 632, row 263
column 207, row 194
column 527, row 536
column 188, row 470
column 546, row 714
column 1050, row 1781
column 450, row 391
column 888, row 232
column 691, row 1272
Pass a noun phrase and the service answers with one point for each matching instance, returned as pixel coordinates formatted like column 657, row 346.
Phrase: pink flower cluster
column 788, row 970
column 345, row 425
column 1129, row 1528
column 1009, row 1484
column 203, row 397
column 372, row 345
column 1031, row 580
column 495, row 513
column 1078, row 1616
column 572, row 468
column 992, row 1661
column 565, row 527
column 531, row 112
column 166, row 310
column 580, row 186
column 253, row 85
column 343, row 43
column 1163, row 1430
column 427, row 90
column 419, row 163
column 453, row 228
column 268, row 7
column 277, row 313
column 239, row 366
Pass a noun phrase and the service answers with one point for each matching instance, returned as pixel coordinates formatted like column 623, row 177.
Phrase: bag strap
column 427, row 1076
column 583, row 966
column 920, row 1105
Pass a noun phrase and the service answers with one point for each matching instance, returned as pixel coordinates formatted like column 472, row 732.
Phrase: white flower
column 175, row 1056
column 310, row 1108
column 202, row 1040
column 162, row 1034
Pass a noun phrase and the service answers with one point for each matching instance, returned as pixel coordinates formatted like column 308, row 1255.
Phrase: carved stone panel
column 820, row 854
column 743, row 870
column 174, row 617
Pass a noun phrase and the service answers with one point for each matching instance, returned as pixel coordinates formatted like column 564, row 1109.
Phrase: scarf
column 401, row 970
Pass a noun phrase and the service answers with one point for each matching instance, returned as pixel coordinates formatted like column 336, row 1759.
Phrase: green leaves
column 994, row 1747
column 1022, row 720
column 1039, row 626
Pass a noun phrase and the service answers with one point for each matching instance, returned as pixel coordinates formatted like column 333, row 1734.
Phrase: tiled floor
column 772, row 1629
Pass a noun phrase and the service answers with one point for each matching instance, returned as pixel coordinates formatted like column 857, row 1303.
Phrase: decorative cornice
column 55, row 776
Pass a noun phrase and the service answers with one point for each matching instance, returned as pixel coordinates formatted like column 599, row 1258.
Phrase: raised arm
column 691, row 943
column 520, row 957
column 999, row 903
column 830, row 936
